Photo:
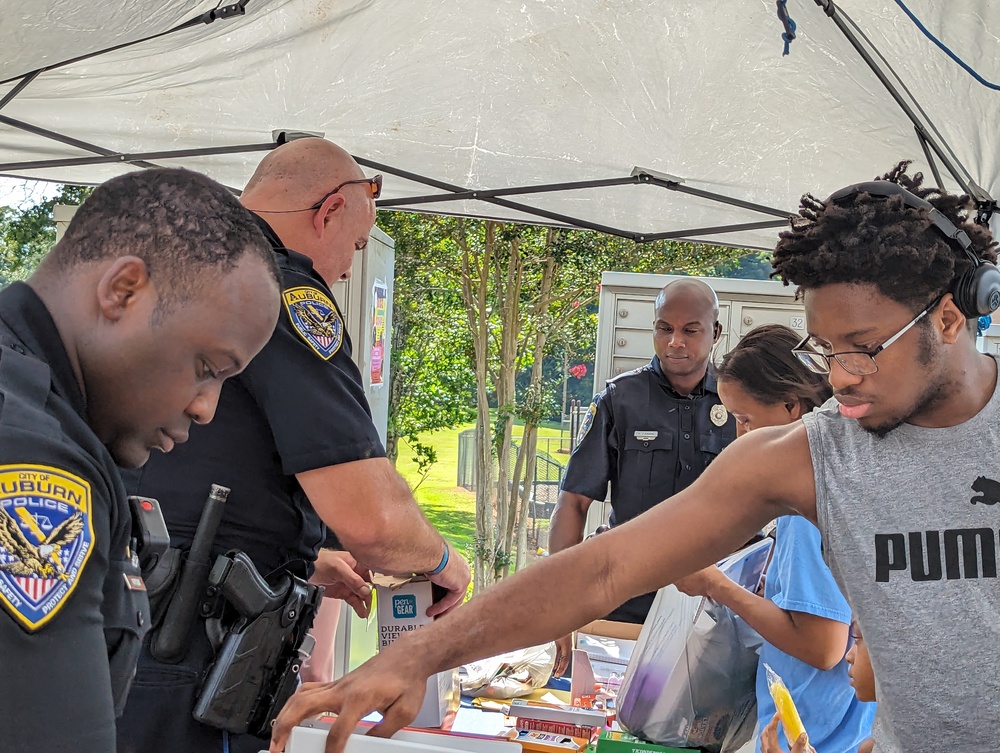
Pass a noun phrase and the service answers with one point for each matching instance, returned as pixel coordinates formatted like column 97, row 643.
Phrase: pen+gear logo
column 404, row 606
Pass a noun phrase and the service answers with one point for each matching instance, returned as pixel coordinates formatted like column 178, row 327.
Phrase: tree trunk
column 530, row 441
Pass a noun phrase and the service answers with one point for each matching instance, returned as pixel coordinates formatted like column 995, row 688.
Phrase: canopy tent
column 649, row 118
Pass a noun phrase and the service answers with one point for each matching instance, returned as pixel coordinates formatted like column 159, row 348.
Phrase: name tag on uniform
column 646, row 436
column 134, row 582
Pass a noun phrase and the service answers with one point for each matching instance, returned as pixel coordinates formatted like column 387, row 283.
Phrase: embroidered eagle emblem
column 40, row 560
column 320, row 323
column 315, row 318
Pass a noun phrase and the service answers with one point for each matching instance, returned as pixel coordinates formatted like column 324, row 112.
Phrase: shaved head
column 293, row 190
column 685, row 328
column 300, row 172
column 694, row 293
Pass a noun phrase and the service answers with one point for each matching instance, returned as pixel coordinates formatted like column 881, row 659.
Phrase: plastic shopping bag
column 691, row 679
column 509, row 675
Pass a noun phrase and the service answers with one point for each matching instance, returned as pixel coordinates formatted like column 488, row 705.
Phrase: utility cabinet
column 625, row 316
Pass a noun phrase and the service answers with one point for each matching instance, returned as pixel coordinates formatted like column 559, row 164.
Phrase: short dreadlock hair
column 882, row 242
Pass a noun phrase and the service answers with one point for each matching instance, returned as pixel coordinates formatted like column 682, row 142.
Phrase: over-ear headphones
column 977, row 292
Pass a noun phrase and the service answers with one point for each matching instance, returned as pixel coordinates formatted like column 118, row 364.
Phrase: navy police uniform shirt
column 72, row 607
column 299, row 405
column 649, row 443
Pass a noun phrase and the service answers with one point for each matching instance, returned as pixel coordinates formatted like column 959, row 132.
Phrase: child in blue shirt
column 802, row 616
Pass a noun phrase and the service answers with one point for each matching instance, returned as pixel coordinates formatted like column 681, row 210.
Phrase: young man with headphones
column 899, row 471
column 651, row 432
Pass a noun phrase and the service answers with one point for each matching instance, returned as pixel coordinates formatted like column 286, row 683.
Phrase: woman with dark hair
column 802, row 616
column 767, row 385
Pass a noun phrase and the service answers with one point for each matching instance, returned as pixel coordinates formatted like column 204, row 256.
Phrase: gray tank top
column 910, row 528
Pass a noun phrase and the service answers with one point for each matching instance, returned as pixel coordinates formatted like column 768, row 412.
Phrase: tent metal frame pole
column 984, row 201
column 107, row 154
column 560, row 219
column 455, row 193
column 492, row 196
column 930, row 159
column 717, row 230
column 18, row 88
column 112, row 157
column 681, row 188
column 482, row 195
column 228, row 11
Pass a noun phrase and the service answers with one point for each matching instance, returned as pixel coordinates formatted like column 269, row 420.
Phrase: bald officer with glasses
column 294, row 440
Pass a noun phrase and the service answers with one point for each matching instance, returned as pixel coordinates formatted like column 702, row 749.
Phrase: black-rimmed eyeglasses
column 857, row 362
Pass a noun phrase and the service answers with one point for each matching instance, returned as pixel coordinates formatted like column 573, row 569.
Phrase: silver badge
column 719, row 415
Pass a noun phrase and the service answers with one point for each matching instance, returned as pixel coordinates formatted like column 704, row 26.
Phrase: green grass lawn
column 450, row 508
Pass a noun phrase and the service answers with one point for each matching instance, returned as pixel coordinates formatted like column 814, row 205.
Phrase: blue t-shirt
column 799, row 581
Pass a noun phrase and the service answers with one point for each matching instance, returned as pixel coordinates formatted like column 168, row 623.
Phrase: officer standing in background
column 161, row 288
column 294, row 441
column 651, row 432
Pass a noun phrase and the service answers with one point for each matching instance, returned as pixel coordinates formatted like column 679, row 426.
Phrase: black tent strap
column 228, row 11
column 68, row 140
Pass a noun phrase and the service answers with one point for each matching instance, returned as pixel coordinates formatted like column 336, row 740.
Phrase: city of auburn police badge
column 46, row 537
column 316, row 320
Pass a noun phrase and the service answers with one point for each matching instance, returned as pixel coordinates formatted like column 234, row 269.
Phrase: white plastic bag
column 691, row 681
column 509, row 675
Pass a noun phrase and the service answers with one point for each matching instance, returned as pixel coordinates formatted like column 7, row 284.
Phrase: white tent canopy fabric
column 479, row 95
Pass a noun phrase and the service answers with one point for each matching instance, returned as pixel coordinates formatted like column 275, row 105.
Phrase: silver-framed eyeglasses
column 857, row 362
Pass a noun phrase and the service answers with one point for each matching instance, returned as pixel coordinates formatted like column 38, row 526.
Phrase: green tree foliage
column 492, row 301
column 27, row 233
column 755, row 265
column 431, row 382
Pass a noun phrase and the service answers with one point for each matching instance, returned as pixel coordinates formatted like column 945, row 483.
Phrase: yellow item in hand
column 789, row 715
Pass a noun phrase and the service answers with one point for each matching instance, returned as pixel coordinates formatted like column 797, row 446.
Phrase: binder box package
column 401, row 606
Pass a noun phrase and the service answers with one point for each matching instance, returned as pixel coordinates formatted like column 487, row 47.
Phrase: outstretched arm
column 740, row 492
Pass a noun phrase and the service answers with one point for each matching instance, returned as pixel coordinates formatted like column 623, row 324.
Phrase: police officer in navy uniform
column 294, row 440
column 161, row 288
column 651, row 432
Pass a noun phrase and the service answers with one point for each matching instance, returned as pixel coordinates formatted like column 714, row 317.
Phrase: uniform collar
column 295, row 259
column 27, row 317
column 708, row 383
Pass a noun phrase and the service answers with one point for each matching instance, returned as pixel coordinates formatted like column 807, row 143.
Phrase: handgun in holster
column 256, row 670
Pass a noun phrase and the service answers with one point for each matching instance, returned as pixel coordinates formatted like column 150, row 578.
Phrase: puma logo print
column 989, row 491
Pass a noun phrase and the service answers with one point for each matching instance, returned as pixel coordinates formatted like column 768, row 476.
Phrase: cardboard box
column 612, row 741
column 402, row 605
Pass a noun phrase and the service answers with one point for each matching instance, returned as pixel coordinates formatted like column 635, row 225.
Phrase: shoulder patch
column 315, row 318
column 587, row 422
column 46, row 537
